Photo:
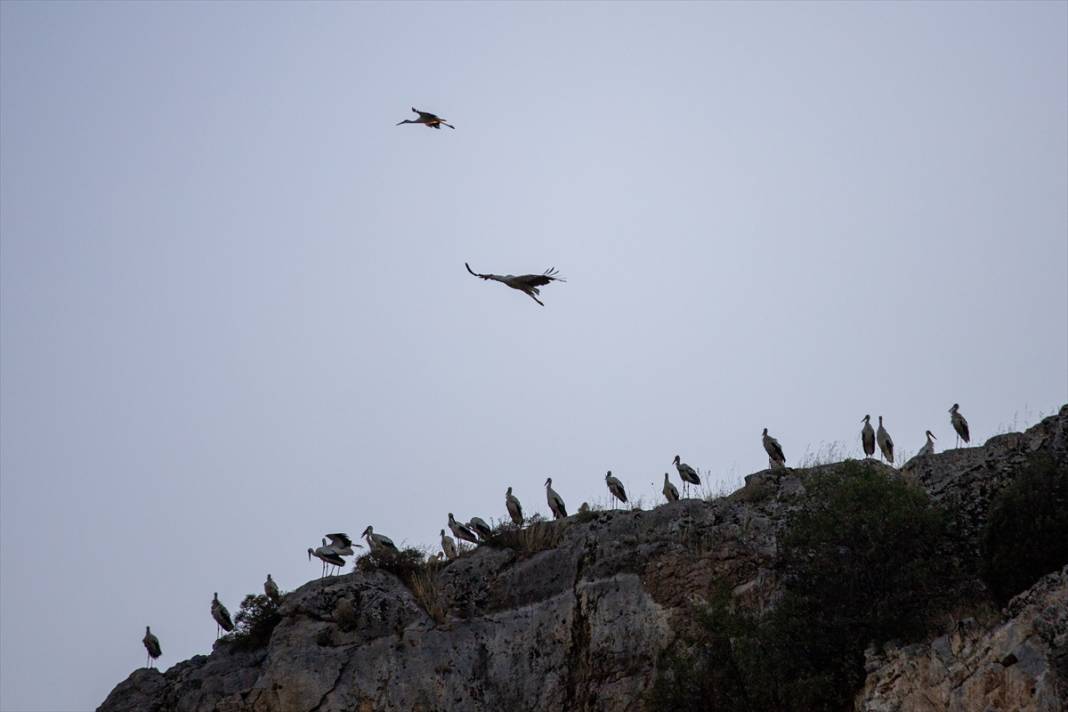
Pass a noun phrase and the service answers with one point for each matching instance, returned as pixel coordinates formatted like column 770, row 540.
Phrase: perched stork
column 526, row 283
column 461, row 531
column 515, row 509
column 479, row 526
column 688, row 475
column 221, row 616
column 774, row 450
column 670, row 492
column 431, row 121
column 448, row 545
column 867, row 436
column 556, row 502
column 928, row 448
column 270, row 588
column 379, row 543
column 959, row 424
column 327, row 555
column 886, row 445
column 152, row 648
column 615, row 487
column 584, row 508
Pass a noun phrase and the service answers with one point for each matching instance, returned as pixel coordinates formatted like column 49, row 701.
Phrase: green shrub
column 861, row 563
column 254, row 622
column 1026, row 535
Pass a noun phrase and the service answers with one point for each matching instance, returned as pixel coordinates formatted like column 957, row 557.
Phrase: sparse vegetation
column 537, row 535
column 1027, row 531
column 860, row 565
column 415, row 571
column 254, row 622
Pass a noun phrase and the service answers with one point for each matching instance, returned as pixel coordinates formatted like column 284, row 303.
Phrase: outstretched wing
column 540, row 280
column 426, row 115
column 339, row 540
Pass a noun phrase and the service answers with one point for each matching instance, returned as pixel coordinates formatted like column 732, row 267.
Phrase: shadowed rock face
column 579, row 626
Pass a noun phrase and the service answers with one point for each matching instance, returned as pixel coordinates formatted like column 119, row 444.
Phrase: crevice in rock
column 578, row 672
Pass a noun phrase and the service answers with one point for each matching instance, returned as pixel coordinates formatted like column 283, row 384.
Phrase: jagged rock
column 575, row 617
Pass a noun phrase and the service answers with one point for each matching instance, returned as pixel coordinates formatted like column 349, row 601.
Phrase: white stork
column 448, row 545
column 526, row 283
column 326, row 555
column 461, row 531
column 670, row 492
column 687, row 474
column 515, row 509
column 342, row 544
column 774, row 450
column 431, row 121
column 556, row 502
column 959, row 424
column 928, row 448
column 221, row 616
column 152, row 648
column 270, row 588
column 867, row 436
column 479, row 526
column 615, row 487
column 886, row 445
column 378, row 542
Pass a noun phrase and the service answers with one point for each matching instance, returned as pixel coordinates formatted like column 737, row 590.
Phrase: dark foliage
column 1026, row 535
column 254, row 622
column 404, row 564
column 860, row 565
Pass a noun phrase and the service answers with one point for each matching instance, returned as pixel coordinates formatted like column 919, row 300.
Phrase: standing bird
column 688, row 475
column 461, row 531
column 448, row 545
column 867, row 436
column 379, row 543
column 886, row 445
column 151, row 647
column 479, row 526
column 526, row 283
column 431, row 121
column 271, row 589
column 556, row 502
column 670, row 492
column 327, row 555
column 615, row 487
column 515, row 509
column 959, row 424
column 928, row 448
column 774, row 450
column 221, row 616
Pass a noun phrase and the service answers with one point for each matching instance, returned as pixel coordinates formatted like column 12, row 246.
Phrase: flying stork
column 959, row 424
column 867, row 436
column 886, row 445
column 774, row 450
column 431, row 121
column 221, row 616
column 615, row 487
column 515, row 509
column 448, row 545
column 152, row 648
column 556, row 502
column 688, row 475
column 670, row 491
column 526, row 283
column 461, row 531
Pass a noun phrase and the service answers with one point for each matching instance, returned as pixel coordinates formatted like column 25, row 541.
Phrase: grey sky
column 234, row 313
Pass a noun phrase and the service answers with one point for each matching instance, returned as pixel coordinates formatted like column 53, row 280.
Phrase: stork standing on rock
column 867, row 436
column 221, row 616
column 326, row 555
column 152, row 649
column 515, row 509
column 461, row 531
column 886, row 445
column 379, row 543
column 774, row 450
column 928, row 448
column 687, row 474
column 556, row 502
column 270, row 588
column 615, row 487
column 448, row 545
column 959, row 424
column 431, row 121
column 670, row 492
column 479, row 526
column 526, row 283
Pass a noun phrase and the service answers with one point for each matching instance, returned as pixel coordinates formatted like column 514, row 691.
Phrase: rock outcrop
column 574, row 615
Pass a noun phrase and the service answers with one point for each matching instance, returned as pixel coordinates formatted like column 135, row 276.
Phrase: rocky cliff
column 573, row 615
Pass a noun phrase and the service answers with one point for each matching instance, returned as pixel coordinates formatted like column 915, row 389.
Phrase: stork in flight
column 431, row 121
column 526, row 283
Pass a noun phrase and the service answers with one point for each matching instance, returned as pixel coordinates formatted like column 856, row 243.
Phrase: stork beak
column 933, row 437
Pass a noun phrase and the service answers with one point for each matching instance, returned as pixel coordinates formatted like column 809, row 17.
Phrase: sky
column 234, row 314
